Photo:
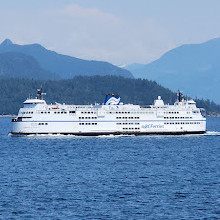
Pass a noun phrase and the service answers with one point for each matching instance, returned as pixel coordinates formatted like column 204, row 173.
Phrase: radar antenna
column 40, row 93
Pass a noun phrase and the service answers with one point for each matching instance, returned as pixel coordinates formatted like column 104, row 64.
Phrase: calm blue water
column 148, row 177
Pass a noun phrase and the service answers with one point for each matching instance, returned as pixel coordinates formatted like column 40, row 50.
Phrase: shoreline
column 7, row 116
column 216, row 116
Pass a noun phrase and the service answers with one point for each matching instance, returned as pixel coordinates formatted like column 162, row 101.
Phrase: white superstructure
column 113, row 117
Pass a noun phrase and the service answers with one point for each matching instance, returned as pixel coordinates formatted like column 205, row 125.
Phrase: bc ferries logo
column 112, row 100
column 152, row 126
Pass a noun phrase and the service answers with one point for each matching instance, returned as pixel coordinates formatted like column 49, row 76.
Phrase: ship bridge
column 34, row 102
column 31, row 103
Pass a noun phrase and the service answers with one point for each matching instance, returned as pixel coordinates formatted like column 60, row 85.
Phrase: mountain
column 87, row 90
column 134, row 67
column 65, row 67
column 193, row 68
column 18, row 65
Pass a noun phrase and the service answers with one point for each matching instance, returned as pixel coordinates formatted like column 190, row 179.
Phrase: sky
column 118, row 31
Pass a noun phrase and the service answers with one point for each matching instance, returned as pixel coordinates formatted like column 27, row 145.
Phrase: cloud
column 89, row 33
column 78, row 11
column 94, row 34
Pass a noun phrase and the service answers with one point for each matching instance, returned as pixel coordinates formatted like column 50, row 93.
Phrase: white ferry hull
column 106, row 128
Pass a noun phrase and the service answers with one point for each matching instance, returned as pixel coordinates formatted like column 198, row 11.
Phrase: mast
column 40, row 93
column 180, row 95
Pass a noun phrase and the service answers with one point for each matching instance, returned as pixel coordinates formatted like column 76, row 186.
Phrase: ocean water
column 123, row 177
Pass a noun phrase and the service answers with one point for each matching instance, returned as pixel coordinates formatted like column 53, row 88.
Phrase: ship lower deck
column 96, row 128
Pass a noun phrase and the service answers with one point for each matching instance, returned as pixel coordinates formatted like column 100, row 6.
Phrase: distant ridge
column 194, row 68
column 19, row 65
column 66, row 67
column 6, row 42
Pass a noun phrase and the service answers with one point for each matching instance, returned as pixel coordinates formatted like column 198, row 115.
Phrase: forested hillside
column 86, row 90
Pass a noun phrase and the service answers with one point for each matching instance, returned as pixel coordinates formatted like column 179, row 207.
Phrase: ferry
column 111, row 117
